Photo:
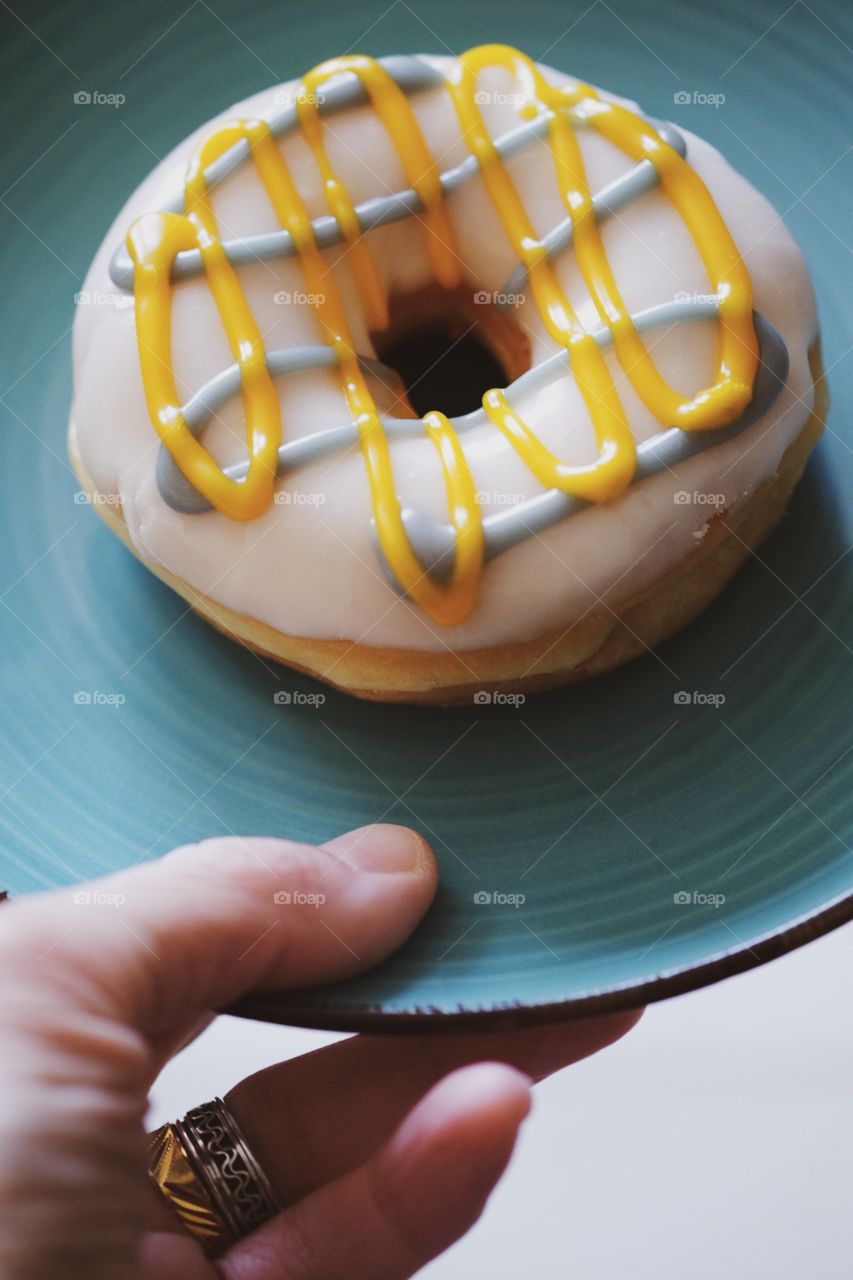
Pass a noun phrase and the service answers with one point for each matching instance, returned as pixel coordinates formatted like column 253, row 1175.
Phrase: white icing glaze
column 309, row 567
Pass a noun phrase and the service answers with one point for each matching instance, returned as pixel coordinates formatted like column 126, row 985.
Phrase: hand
column 380, row 1168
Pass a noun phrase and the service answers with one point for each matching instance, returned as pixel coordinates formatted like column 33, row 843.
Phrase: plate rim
column 272, row 1006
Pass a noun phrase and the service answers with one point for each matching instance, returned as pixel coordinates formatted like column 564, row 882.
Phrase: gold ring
column 204, row 1169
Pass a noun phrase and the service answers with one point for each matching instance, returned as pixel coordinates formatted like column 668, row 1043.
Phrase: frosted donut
column 272, row 309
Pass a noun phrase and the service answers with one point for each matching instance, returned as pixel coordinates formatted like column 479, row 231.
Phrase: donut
column 441, row 377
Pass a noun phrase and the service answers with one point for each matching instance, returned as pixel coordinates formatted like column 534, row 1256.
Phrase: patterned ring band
column 204, row 1169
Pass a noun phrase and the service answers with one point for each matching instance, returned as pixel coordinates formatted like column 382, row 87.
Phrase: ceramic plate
column 601, row 846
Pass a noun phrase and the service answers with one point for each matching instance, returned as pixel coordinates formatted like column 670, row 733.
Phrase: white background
column 715, row 1141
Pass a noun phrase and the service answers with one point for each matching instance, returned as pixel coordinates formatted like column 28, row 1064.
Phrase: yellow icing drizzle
column 155, row 239
column 394, row 110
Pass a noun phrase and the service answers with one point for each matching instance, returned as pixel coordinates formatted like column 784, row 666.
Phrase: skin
column 383, row 1150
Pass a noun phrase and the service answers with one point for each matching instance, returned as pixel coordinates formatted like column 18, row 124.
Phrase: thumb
column 157, row 945
column 94, row 981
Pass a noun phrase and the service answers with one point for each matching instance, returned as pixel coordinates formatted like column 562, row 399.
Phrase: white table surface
column 715, row 1141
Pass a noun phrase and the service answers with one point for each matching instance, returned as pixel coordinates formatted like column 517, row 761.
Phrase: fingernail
column 383, row 846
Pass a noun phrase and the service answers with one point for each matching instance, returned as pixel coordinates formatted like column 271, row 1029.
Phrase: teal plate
column 600, row 846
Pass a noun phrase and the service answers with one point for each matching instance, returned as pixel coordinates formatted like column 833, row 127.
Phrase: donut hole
column 450, row 347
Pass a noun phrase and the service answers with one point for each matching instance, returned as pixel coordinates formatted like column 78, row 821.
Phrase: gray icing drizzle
column 433, row 541
column 411, row 74
column 608, row 200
